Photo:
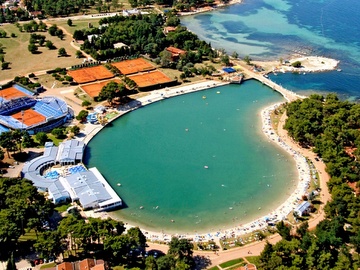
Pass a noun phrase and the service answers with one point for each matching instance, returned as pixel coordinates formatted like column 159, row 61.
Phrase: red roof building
column 175, row 52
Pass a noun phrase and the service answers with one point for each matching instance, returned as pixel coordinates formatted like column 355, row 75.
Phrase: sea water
column 274, row 29
column 196, row 162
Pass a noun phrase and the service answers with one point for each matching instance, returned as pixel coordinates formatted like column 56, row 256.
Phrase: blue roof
column 3, row 129
column 229, row 69
column 24, row 90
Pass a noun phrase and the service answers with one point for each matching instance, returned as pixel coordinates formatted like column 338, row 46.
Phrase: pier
column 259, row 76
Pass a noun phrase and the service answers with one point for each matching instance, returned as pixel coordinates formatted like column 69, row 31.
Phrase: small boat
column 339, row 69
column 218, row 92
column 141, row 207
column 119, row 184
column 206, row 167
column 172, row 221
column 204, row 97
column 230, row 208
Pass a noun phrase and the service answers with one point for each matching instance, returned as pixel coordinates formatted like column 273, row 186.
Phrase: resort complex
column 234, row 177
column 60, row 173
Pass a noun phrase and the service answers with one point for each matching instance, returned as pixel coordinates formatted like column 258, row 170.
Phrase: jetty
column 259, row 76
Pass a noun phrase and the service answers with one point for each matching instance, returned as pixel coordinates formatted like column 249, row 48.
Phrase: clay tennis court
column 90, row 74
column 11, row 92
column 30, row 117
column 94, row 89
column 133, row 66
column 150, row 78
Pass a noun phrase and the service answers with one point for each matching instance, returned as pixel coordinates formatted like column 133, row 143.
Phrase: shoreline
column 278, row 214
column 209, row 8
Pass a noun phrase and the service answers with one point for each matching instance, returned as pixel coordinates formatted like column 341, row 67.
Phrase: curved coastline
column 280, row 213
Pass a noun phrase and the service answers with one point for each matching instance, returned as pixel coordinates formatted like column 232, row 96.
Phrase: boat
column 141, row 207
column 218, row 92
column 339, row 69
column 204, row 97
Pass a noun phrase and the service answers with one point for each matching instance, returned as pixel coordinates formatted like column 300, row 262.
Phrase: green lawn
column 49, row 265
column 253, row 259
column 62, row 208
column 31, row 235
column 77, row 24
column 231, row 263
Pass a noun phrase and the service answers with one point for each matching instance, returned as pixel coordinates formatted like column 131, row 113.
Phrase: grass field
column 231, row 263
column 77, row 24
column 22, row 62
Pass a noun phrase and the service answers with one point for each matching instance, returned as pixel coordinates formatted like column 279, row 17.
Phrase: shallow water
column 270, row 29
column 203, row 163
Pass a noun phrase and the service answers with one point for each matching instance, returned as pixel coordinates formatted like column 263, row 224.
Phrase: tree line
column 331, row 128
column 24, row 209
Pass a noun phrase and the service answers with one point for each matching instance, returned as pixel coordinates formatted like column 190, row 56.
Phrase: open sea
column 270, row 29
column 158, row 153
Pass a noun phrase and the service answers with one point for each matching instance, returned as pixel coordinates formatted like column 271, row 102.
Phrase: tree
column 49, row 45
column 181, row 250
column 59, row 33
column 166, row 262
column 62, row 52
column 111, row 90
column 52, row 30
column 137, row 238
column 79, row 54
column 302, row 229
column 283, row 230
column 69, row 22
column 11, row 262
column 32, row 48
column 150, row 263
column 6, row 142
column 296, row 64
column 166, row 58
column 247, row 59
column 5, row 65
column 235, row 55
column 27, row 140
column 225, row 59
column 58, row 132
column 41, row 137
column 82, row 115
column 48, row 244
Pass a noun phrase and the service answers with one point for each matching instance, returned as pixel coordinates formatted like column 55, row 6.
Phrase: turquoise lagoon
column 203, row 163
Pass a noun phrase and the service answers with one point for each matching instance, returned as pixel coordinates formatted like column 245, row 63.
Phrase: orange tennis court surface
column 30, row 117
column 11, row 92
column 133, row 66
column 94, row 89
column 150, row 78
column 90, row 74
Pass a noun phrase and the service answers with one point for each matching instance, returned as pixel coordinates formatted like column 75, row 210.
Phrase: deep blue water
column 270, row 29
